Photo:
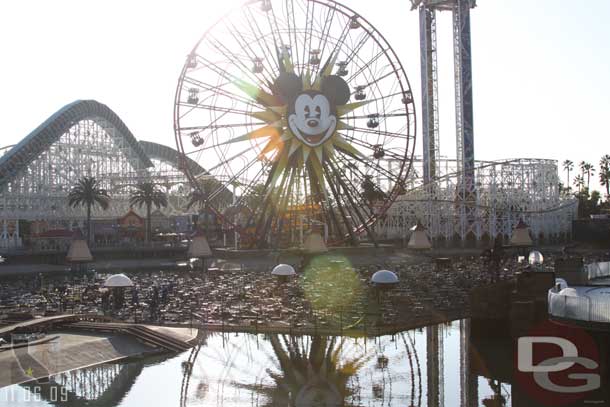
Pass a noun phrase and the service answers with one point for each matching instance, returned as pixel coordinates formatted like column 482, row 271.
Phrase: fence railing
column 590, row 304
column 598, row 270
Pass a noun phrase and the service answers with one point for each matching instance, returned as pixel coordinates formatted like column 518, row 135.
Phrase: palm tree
column 147, row 194
column 604, row 174
column 370, row 191
column 582, row 165
column 579, row 183
column 211, row 193
column 87, row 192
column 589, row 169
column 568, row 166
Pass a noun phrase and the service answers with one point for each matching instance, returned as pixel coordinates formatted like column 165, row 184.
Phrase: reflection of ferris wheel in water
column 303, row 110
column 280, row 370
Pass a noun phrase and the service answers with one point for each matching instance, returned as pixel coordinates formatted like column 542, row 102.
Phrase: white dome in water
column 283, row 270
column 118, row 280
column 535, row 258
column 384, row 277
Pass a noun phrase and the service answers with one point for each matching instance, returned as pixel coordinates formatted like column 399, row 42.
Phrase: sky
column 541, row 69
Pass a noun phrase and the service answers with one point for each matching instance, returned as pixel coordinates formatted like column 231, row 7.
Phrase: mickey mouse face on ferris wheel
column 312, row 114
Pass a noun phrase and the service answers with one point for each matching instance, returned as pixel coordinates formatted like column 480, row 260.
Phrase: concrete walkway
column 68, row 352
column 100, row 267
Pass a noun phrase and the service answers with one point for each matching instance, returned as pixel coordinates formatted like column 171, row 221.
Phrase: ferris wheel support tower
column 463, row 88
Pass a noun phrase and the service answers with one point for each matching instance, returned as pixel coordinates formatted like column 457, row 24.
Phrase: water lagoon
column 423, row 367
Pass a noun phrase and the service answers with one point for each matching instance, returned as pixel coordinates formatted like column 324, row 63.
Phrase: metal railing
column 590, row 304
column 598, row 270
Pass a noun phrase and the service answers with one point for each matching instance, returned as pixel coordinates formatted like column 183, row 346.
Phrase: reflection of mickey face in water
column 312, row 121
column 312, row 115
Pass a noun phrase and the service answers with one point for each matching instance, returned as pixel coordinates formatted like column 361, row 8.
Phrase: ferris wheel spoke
column 235, row 177
column 342, row 211
column 382, row 116
column 283, row 206
column 379, row 132
column 232, row 78
column 228, row 160
column 383, row 97
column 215, row 108
column 252, row 23
column 292, row 28
column 379, row 79
column 362, row 40
column 339, row 42
column 367, row 66
column 245, row 70
column 219, row 89
column 263, row 206
column 369, row 164
column 326, row 34
column 268, row 69
column 268, row 206
column 351, row 189
column 369, row 147
column 253, row 57
column 350, row 204
column 309, row 19
column 251, row 187
column 223, row 126
column 271, row 20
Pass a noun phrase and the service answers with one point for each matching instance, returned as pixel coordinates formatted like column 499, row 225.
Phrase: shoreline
column 361, row 256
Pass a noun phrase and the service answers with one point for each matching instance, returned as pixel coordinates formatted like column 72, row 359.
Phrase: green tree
column 88, row 193
column 147, row 194
column 604, row 174
column 568, row 166
column 210, row 194
column 588, row 204
column 579, row 183
column 254, row 197
column 370, row 191
column 589, row 170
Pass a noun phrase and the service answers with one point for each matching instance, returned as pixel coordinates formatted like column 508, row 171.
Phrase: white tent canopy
column 521, row 235
column 199, row 247
column 118, row 280
column 79, row 251
column 419, row 239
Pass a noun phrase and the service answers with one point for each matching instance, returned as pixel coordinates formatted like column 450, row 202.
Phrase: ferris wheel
column 303, row 112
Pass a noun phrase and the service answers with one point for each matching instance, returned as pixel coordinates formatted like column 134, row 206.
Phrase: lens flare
column 333, row 288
